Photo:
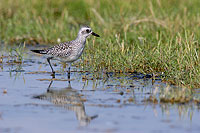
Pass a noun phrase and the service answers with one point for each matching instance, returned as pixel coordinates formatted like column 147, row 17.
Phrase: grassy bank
column 142, row 35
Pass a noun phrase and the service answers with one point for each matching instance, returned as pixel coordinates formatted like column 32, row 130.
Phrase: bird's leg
column 48, row 89
column 53, row 72
column 69, row 65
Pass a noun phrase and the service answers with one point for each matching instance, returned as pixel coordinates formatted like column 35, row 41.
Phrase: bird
column 68, row 52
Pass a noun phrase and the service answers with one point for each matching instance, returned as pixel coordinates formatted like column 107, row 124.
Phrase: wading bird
column 68, row 52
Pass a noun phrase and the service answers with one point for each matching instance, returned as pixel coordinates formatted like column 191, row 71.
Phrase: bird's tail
column 39, row 51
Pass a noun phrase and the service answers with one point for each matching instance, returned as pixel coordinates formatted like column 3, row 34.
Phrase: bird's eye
column 88, row 31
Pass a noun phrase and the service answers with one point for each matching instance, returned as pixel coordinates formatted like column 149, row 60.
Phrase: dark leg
column 69, row 83
column 69, row 70
column 48, row 89
column 53, row 72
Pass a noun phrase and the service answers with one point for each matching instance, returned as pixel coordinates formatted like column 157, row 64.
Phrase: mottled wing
column 60, row 50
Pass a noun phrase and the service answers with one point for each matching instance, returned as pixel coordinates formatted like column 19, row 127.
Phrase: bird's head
column 86, row 31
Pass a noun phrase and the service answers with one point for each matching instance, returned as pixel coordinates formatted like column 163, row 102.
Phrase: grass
column 171, row 94
column 136, row 35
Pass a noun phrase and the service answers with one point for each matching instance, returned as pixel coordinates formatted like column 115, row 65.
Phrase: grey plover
column 68, row 52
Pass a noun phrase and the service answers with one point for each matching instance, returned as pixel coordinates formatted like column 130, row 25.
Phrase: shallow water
column 31, row 102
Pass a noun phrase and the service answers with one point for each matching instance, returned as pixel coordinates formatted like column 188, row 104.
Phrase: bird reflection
column 70, row 99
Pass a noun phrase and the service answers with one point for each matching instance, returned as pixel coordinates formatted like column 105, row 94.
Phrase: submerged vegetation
column 136, row 35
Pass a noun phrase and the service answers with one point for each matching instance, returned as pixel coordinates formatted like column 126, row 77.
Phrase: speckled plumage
column 70, row 51
column 67, row 52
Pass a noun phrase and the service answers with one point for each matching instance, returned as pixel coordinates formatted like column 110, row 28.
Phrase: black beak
column 94, row 34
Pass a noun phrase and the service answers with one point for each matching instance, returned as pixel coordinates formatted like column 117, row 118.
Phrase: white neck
column 80, row 39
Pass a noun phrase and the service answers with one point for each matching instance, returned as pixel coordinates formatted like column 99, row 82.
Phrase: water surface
column 113, row 102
